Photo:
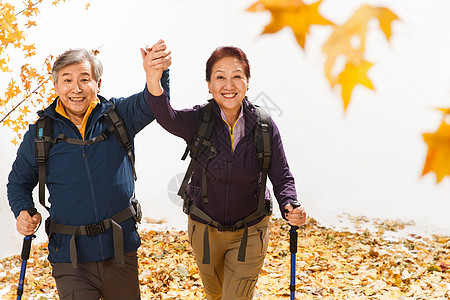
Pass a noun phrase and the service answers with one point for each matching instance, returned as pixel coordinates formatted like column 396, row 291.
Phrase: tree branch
column 20, row 103
column 28, row 7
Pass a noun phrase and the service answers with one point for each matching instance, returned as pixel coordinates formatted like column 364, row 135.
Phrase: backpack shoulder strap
column 263, row 142
column 42, row 144
column 119, row 129
column 44, row 140
column 203, row 133
column 199, row 143
column 263, row 139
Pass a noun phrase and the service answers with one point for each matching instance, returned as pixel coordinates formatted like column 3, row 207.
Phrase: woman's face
column 228, row 83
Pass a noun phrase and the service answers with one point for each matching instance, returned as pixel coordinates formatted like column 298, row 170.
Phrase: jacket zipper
column 91, row 185
column 229, row 165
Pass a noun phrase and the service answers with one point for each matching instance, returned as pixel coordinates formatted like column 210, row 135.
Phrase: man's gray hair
column 76, row 56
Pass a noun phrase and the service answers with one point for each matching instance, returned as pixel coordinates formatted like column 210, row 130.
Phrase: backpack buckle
column 138, row 210
column 94, row 229
column 186, row 205
column 40, row 155
column 264, row 127
column 226, row 228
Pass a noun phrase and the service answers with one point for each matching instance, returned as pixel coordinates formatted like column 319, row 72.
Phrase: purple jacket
column 232, row 177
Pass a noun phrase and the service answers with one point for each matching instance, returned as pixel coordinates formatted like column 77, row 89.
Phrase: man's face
column 77, row 88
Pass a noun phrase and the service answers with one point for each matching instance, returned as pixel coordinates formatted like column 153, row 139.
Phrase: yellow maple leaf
column 7, row 122
column 30, row 54
column 14, row 141
column 438, row 156
column 7, row 14
column 349, row 41
column 4, row 66
column 385, row 17
column 24, row 110
column 15, row 37
column 352, row 75
column 12, row 90
column 87, row 6
column 29, row 48
column 30, row 10
column 445, row 110
column 31, row 23
column 291, row 13
column 16, row 129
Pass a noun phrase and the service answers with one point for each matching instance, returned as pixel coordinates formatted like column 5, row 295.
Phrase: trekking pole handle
column 293, row 236
column 294, row 204
column 27, row 240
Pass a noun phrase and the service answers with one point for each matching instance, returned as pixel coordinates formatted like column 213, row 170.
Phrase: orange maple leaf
column 4, row 65
column 14, row 141
column 15, row 37
column 291, row 13
column 385, row 17
column 12, row 90
column 30, row 10
column 16, row 129
column 445, row 110
column 31, row 23
column 29, row 48
column 438, row 156
column 24, row 110
column 7, row 14
column 352, row 75
column 342, row 40
column 7, row 122
column 87, row 6
column 349, row 41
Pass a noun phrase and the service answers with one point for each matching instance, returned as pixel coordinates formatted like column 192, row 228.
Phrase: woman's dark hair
column 227, row 51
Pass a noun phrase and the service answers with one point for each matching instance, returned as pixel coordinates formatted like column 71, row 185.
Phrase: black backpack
column 199, row 143
column 44, row 140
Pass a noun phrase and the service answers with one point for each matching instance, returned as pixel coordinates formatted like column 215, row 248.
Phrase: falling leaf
column 348, row 41
column 351, row 76
column 438, row 156
column 445, row 110
column 291, row 13
column 87, row 6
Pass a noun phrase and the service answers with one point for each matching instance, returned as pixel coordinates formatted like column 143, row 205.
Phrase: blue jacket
column 86, row 184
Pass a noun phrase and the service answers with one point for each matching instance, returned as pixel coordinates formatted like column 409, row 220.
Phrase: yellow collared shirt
column 82, row 128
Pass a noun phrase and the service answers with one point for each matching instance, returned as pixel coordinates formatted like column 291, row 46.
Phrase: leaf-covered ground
column 330, row 265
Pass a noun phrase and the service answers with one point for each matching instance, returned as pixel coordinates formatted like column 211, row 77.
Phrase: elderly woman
column 229, row 248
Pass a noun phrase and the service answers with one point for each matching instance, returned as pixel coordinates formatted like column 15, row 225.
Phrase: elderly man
column 89, row 173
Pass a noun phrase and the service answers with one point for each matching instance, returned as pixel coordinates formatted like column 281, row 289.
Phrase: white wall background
column 366, row 161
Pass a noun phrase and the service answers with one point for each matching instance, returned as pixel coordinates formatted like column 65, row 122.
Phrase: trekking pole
column 25, row 255
column 293, row 248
